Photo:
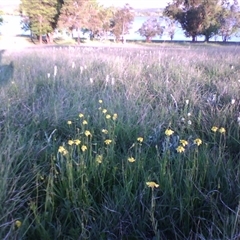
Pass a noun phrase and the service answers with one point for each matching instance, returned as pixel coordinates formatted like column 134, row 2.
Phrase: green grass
column 62, row 179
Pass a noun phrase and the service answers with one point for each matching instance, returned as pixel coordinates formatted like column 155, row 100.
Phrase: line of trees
column 43, row 17
column 206, row 18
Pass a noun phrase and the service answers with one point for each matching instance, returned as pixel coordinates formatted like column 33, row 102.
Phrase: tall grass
column 119, row 143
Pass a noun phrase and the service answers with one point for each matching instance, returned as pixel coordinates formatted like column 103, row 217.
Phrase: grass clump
column 117, row 143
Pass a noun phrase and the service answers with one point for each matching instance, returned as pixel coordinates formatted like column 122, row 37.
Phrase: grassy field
column 120, row 143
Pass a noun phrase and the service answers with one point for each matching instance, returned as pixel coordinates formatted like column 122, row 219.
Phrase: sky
column 136, row 3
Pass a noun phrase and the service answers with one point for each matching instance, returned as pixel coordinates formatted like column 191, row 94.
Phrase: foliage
column 151, row 28
column 229, row 20
column 122, row 21
column 42, row 16
column 79, row 14
column 170, row 27
column 196, row 17
column 104, row 15
column 156, row 158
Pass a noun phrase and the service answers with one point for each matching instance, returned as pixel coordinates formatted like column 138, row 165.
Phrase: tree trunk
column 193, row 38
column 49, row 38
column 40, row 39
column 148, row 39
column 78, row 37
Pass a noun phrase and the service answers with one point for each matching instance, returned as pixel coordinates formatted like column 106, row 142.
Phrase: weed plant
column 120, row 143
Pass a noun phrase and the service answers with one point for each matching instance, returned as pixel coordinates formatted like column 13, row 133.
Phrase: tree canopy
column 42, row 15
column 197, row 18
column 205, row 18
column 150, row 29
column 122, row 21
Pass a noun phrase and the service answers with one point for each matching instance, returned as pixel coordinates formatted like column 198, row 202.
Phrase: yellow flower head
column 62, row 150
column 99, row 158
column 18, row 224
column 100, row 101
column 214, row 128
column 70, row 142
column 84, row 122
column 81, row 115
column 152, row 185
column 169, row 132
column 69, row 122
column 131, row 159
column 104, row 110
column 180, row 149
column 184, row 143
column 108, row 141
column 114, row 117
column 84, row 148
column 140, row 139
column 87, row 133
column 108, row 116
column 222, row 130
column 77, row 142
column 197, row 141
column 105, row 131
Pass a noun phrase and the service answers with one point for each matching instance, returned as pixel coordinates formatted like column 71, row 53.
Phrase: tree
column 170, row 27
column 150, row 29
column 105, row 15
column 42, row 16
column 196, row 17
column 78, row 14
column 122, row 21
column 229, row 19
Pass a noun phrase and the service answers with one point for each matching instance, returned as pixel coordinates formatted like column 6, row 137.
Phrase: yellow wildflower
column 222, row 130
column 108, row 141
column 99, row 158
column 18, row 224
column 169, row 132
column 87, row 133
column 105, row 131
column 104, row 110
column 140, row 139
column 180, row 149
column 84, row 122
column 84, row 148
column 198, row 141
column 100, row 101
column 61, row 149
column 81, row 115
column 108, row 116
column 214, row 128
column 69, row 122
column 115, row 116
column 70, row 142
column 131, row 159
column 184, row 142
column 152, row 185
column 77, row 142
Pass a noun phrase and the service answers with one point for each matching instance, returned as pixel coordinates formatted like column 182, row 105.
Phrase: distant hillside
column 149, row 11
